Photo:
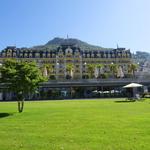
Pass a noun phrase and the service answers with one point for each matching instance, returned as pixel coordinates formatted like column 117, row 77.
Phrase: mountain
column 141, row 57
column 54, row 43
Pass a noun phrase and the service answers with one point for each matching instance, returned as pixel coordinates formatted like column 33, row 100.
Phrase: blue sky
column 27, row 23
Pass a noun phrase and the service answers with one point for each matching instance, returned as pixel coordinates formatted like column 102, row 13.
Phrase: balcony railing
column 110, row 80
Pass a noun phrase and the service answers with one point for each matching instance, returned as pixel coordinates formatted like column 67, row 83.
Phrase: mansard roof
column 69, row 47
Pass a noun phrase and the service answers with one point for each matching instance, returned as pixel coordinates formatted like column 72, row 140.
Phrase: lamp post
column 138, row 66
column 85, row 68
column 0, row 66
column 57, row 69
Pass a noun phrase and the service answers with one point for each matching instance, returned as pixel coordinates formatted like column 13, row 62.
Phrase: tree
column 21, row 78
column 113, row 68
column 99, row 66
column 132, row 68
column 69, row 69
column 47, row 70
column 90, row 68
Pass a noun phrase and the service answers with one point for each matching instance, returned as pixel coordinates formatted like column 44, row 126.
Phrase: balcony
column 95, row 82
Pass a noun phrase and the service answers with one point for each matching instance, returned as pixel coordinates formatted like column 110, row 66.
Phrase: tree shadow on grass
column 125, row 101
column 3, row 115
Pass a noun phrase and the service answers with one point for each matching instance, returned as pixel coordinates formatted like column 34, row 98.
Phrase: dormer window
column 88, row 55
column 14, row 54
column 68, row 50
column 25, row 54
column 99, row 55
column 92, row 55
column 21, row 54
column 53, row 55
column 48, row 55
column 37, row 55
column 30, row 55
column 3, row 54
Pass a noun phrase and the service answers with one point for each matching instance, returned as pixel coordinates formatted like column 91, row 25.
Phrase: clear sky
column 106, row 23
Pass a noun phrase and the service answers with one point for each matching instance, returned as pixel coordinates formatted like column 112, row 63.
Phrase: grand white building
column 69, row 61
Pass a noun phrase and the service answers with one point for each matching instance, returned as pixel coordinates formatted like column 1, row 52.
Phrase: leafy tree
column 91, row 68
column 113, row 68
column 21, row 78
column 99, row 66
column 69, row 69
column 47, row 70
column 132, row 68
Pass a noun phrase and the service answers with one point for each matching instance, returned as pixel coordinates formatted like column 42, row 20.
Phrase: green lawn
column 76, row 125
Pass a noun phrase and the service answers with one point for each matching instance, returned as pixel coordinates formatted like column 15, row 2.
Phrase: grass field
column 76, row 125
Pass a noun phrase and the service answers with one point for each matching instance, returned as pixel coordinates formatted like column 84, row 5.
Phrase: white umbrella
column 95, row 91
column 105, row 92
column 133, row 85
column 112, row 91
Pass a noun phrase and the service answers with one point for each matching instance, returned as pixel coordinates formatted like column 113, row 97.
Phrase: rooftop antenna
column 117, row 46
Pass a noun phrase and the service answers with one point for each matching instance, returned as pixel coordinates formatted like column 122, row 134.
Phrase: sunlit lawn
column 76, row 125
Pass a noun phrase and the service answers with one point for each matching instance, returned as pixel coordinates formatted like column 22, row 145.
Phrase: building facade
column 69, row 61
